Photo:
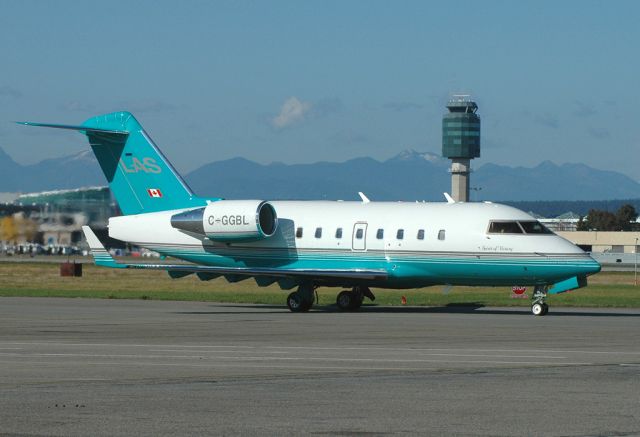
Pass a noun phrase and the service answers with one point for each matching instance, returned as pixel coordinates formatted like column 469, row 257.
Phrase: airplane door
column 359, row 237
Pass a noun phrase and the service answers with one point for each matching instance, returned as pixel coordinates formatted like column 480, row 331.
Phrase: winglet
column 449, row 198
column 99, row 253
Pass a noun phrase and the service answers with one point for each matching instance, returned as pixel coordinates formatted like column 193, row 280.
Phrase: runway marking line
column 44, row 354
column 245, row 358
column 426, row 354
column 324, row 348
column 265, row 366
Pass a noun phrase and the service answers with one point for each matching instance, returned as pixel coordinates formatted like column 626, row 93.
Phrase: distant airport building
column 8, row 197
column 55, row 218
column 566, row 222
column 461, row 142
column 608, row 247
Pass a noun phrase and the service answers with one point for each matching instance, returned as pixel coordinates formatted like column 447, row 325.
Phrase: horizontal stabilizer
column 70, row 127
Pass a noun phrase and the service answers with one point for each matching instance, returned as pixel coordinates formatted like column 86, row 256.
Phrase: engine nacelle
column 230, row 220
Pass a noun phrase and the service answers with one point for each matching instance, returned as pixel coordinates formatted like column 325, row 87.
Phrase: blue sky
column 305, row 81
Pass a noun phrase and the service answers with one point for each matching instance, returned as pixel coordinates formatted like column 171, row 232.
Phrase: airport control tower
column 461, row 142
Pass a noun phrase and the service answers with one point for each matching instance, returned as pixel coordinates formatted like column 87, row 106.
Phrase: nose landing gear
column 539, row 305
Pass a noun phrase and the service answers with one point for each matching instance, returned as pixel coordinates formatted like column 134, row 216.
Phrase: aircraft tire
column 345, row 300
column 537, row 309
column 297, row 304
column 545, row 309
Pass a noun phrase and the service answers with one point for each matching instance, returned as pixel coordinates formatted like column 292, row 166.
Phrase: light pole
column 635, row 265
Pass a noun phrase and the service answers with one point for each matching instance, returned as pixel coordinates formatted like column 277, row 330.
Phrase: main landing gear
column 351, row 300
column 302, row 300
column 348, row 300
column 539, row 305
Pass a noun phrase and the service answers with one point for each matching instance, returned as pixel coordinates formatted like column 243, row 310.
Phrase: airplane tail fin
column 140, row 177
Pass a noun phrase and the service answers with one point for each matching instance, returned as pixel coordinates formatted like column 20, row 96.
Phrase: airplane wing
column 104, row 259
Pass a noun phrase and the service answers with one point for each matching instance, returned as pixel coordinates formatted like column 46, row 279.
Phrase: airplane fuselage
column 418, row 244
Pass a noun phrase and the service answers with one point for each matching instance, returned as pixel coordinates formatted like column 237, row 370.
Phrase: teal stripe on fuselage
column 406, row 269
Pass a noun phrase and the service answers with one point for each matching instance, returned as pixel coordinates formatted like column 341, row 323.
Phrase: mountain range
column 409, row 176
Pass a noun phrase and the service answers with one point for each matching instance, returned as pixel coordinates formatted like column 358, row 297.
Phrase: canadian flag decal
column 154, row 192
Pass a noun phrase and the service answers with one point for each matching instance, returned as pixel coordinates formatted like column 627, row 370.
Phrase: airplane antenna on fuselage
column 364, row 198
column 449, row 198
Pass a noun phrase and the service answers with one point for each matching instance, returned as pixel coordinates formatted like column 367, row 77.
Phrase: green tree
column 598, row 220
column 625, row 216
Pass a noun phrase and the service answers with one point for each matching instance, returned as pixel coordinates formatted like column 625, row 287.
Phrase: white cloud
column 293, row 111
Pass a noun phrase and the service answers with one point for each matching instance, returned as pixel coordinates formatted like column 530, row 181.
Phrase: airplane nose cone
column 593, row 267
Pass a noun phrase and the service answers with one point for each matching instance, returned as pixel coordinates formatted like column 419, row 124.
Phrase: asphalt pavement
column 116, row 367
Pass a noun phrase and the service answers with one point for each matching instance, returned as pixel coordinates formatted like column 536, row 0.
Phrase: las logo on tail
column 303, row 245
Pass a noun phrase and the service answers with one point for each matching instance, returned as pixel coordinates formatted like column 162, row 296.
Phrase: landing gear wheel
column 297, row 303
column 345, row 300
column 302, row 299
column 350, row 300
column 537, row 309
column 539, row 305
column 294, row 302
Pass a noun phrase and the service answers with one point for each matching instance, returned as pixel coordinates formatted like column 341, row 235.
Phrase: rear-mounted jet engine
column 229, row 220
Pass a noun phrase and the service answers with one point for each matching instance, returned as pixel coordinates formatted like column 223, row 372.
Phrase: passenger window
column 359, row 234
column 504, row 228
column 380, row 234
column 400, row 234
column 421, row 234
column 339, row 233
column 441, row 235
column 299, row 233
column 318, row 232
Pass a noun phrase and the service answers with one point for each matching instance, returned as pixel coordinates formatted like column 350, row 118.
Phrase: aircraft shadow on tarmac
column 454, row 308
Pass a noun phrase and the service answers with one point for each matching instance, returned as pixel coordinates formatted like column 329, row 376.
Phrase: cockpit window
column 505, row 228
column 532, row 227
column 535, row 227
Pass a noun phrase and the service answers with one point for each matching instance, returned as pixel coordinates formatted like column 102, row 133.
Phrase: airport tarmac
column 116, row 367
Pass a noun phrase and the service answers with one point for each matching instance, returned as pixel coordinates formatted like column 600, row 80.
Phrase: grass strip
column 607, row 289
